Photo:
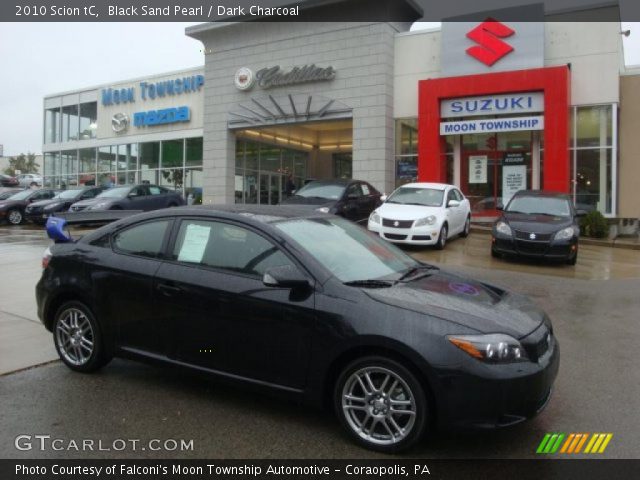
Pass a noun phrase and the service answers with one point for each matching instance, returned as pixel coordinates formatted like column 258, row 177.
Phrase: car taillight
column 46, row 258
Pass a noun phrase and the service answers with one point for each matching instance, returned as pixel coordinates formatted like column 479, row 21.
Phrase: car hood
column 51, row 201
column 396, row 211
column 536, row 223
column 6, row 204
column 467, row 302
column 315, row 201
column 94, row 201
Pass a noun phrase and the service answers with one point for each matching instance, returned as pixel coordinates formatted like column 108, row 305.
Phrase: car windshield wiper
column 413, row 272
column 545, row 214
column 371, row 283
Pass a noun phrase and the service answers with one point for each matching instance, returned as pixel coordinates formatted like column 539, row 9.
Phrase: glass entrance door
column 270, row 188
column 493, row 167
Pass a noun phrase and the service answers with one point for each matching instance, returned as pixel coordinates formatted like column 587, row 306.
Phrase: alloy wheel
column 75, row 338
column 378, row 405
column 15, row 217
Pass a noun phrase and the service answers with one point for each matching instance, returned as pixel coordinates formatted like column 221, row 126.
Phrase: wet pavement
column 594, row 307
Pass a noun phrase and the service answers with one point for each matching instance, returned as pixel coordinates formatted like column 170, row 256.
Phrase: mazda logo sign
column 119, row 122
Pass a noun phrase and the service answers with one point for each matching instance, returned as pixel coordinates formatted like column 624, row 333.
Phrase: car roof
column 435, row 186
column 334, row 181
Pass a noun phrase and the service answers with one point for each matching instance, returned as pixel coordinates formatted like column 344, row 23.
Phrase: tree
column 24, row 163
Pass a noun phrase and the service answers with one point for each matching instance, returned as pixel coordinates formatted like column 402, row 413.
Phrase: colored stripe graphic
column 573, row 443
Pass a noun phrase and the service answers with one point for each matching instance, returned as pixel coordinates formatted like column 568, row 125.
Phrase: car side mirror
column 453, row 203
column 581, row 213
column 500, row 207
column 284, row 276
column 132, row 195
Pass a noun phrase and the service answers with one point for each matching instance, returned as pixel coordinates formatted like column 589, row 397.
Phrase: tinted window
column 222, row 245
column 144, row 239
column 153, row 190
column 321, row 190
column 91, row 193
column 354, row 189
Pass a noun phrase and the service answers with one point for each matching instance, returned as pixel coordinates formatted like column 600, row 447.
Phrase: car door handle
column 168, row 289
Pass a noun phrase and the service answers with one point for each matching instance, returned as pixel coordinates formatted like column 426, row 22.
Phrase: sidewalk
column 25, row 343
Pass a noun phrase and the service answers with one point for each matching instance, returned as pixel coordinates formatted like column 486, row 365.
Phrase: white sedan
column 422, row 214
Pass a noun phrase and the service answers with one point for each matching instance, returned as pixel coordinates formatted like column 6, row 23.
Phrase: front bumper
column 551, row 249
column 492, row 396
column 426, row 235
column 36, row 217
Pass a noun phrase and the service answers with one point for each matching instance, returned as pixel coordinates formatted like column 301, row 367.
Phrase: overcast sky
column 39, row 59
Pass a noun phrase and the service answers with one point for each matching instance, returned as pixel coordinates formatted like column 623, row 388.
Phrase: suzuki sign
column 505, row 104
column 491, row 46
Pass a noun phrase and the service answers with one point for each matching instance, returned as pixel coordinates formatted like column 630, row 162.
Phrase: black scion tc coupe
column 306, row 304
column 538, row 224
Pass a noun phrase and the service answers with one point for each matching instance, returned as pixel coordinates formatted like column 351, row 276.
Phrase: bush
column 594, row 225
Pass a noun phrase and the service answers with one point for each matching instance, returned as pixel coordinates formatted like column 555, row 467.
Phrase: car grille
column 421, row 237
column 78, row 208
column 394, row 236
column 534, row 248
column 540, row 237
column 387, row 222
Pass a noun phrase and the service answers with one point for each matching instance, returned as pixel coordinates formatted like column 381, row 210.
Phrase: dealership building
column 491, row 106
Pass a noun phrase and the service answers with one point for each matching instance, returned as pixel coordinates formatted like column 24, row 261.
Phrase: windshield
column 429, row 197
column 347, row 250
column 21, row 195
column 539, row 205
column 68, row 194
column 118, row 192
column 330, row 191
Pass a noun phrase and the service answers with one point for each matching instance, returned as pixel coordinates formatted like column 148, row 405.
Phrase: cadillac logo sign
column 119, row 122
column 532, row 236
column 244, row 79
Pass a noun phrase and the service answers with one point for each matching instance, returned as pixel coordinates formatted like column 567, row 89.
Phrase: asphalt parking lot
column 594, row 307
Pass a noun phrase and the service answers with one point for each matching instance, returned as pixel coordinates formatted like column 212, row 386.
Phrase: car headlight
column 430, row 220
column 494, row 348
column 374, row 217
column 565, row 234
column 323, row 209
column 98, row 206
column 503, row 228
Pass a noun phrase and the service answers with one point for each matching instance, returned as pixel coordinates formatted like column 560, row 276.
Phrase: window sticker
column 195, row 241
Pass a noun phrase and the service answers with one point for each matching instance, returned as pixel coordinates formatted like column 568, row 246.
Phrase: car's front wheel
column 381, row 404
column 442, row 239
column 15, row 217
column 78, row 339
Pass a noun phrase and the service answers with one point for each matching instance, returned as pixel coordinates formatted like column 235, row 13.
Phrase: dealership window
column 88, row 120
column 194, row 152
column 70, row 123
column 594, row 157
column 149, row 162
column 262, row 170
column 52, row 125
column 406, row 150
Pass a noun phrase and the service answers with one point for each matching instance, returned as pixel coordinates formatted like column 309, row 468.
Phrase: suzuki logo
column 532, row 236
column 487, row 35
column 396, row 223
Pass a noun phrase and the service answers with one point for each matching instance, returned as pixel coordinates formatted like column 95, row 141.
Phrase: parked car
column 12, row 209
column 131, row 197
column 38, row 212
column 422, row 214
column 8, row 181
column 305, row 304
column 7, row 192
column 538, row 224
column 27, row 180
column 352, row 199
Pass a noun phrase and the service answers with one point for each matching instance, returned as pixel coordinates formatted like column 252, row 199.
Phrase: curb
column 616, row 243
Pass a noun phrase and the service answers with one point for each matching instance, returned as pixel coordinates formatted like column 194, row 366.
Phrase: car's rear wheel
column 15, row 217
column 381, row 404
column 442, row 239
column 467, row 227
column 78, row 339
